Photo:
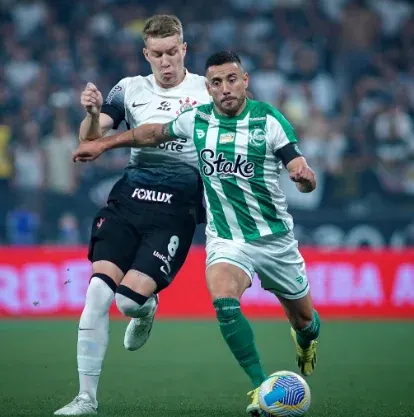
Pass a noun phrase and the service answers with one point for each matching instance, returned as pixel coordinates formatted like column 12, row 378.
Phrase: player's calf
column 226, row 284
column 304, row 335
column 307, row 329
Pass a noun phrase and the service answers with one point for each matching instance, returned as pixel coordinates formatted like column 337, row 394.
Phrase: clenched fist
column 88, row 151
column 91, row 99
column 304, row 177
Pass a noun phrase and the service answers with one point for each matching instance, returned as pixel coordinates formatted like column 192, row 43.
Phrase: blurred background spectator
column 341, row 70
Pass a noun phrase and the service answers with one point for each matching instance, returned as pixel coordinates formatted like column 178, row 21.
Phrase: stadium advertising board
column 51, row 282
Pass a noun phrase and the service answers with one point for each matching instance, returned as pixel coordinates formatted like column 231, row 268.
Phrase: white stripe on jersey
column 211, row 143
column 242, row 142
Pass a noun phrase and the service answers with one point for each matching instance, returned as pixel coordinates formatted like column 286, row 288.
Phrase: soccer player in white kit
column 140, row 240
column 241, row 145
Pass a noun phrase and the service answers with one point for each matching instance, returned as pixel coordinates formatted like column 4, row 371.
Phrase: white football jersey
column 139, row 100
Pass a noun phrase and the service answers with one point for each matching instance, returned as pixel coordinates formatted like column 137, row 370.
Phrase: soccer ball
column 284, row 394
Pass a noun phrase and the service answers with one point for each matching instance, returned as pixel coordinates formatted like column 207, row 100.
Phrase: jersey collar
column 241, row 116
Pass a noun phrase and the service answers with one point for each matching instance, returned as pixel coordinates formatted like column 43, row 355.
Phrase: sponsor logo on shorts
column 151, row 195
column 172, row 250
column 300, row 279
column 100, row 222
column 165, row 260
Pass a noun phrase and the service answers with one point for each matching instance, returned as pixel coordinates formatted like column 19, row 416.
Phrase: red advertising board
column 52, row 282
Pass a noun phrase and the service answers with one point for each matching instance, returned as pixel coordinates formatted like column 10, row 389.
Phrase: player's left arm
column 301, row 174
column 148, row 135
column 287, row 150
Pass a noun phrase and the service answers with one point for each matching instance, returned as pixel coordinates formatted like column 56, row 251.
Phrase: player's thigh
column 229, row 270
column 164, row 249
column 113, row 243
column 280, row 266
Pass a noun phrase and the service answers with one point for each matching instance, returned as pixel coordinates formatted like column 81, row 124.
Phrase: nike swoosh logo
column 85, row 329
column 139, row 104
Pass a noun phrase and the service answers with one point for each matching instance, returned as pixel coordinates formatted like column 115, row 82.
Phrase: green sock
column 239, row 336
column 310, row 332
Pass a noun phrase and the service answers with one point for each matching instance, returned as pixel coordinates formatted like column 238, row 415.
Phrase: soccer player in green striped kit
column 241, row 146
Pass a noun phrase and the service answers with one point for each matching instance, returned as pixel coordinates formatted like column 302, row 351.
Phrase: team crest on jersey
column 227, row 137
column 186, row 104
column 257, row 137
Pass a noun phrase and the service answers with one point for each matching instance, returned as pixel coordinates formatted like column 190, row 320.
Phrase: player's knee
column 226, row 281
column 100, row 292
column 132, row 304
column 99, row 297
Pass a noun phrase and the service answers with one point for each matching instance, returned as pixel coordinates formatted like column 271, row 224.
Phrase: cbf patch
column 227, row 137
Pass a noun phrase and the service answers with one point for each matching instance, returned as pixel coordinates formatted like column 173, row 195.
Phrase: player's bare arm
column 96, row 124
column 301, row 174
column 148, row 135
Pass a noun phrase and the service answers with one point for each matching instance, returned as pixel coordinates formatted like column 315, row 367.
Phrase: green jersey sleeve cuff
column 171, row 130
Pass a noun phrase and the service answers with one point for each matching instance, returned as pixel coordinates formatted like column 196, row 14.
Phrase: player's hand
column 91, row 99
column 88, row 151
column 305, row 176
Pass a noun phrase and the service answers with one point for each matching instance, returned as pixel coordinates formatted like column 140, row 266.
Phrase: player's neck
column 177, row 83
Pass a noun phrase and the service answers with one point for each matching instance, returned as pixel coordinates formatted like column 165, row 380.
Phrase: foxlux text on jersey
column 151, row 195
column 221, row 165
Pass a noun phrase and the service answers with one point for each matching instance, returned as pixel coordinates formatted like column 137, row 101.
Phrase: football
column 284, row 393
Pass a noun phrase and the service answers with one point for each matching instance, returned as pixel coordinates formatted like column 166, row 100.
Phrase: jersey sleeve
column 183, row 125
column 114, row 105
column 280, row 131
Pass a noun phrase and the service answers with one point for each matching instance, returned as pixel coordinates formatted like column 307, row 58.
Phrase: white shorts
column 276, row 260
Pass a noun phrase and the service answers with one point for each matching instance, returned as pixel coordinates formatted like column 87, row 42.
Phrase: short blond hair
column 163, row 26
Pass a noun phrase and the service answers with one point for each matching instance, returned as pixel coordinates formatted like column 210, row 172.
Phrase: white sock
column 93, row 335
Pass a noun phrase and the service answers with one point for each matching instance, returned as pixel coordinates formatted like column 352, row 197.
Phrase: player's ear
column 184, row 48
column 145, row 52
column 246, row 80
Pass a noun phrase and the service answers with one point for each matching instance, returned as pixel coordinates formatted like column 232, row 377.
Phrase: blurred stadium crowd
column 341, row 70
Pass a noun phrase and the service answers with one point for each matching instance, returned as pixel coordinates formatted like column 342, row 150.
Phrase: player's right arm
column 147, row 135
column 96, row 124
column 101, row 116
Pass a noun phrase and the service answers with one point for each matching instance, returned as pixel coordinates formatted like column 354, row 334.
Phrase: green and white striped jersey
column 240, row 169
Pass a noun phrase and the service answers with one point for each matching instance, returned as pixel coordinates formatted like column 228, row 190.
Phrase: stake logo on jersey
column 219, row 165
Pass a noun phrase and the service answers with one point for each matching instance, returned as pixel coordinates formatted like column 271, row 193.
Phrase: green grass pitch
column 364, row 369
